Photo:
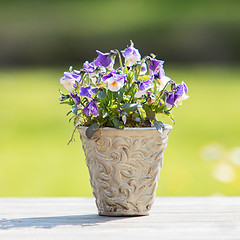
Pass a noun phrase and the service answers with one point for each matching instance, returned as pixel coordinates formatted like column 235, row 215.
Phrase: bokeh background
column 39, row 40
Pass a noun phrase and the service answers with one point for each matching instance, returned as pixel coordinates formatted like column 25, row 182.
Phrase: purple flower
column 87, row 91
column 70, row 79
column 181, row 89
column 171, row 99
column 89, row 67
column 92, row 71
column 185, row 88
column 75, row 98
column 76, row 72
column 109, row 75
column 91, row 109
column 178, row 93
column 143, row 87
column 73, row 75
column 104, row 60
column 155, row 65
column 131, row 55
column 114, row 75
column 146, row 85
column 160, row 73
column 143, row 69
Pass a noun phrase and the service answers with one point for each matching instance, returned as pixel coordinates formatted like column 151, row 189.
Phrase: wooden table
column 76, row 218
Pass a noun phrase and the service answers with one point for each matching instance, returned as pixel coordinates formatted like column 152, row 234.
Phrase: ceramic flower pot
column 124, row 167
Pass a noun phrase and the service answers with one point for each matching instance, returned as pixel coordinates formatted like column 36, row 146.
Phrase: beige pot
column 124, row 167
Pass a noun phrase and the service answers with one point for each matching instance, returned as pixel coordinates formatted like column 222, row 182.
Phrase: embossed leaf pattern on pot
column 124, row 167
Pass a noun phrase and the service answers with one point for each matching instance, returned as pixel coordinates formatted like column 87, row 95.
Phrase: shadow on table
column 50, row 222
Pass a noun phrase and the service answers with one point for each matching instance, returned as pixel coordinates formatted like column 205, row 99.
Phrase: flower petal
column 131, row 55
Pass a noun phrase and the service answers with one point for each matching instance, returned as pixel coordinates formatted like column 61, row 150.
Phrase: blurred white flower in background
column 224, row 173
column 235, row 155
column 217, row 194
column 226, row 161
column 212, row 152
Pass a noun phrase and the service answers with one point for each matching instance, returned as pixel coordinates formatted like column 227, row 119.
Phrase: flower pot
column 124, row 167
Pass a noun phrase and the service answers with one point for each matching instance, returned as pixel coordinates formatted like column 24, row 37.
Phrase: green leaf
column 131, row 107
column 169, row 114
column 136, row 118
column 159, row 126
column 161, row 107
column 116, row 122
column 149, row 112
column 68, row 113
column 70, row 119
column 120, row 96
column 85, row 100
column 142, row 113
column 64, row 96
column 91, row 130
column 75, row 109
column 69, row 103
column 130, row 75
column 61, row 92
column 145, row 77
column 102, row 95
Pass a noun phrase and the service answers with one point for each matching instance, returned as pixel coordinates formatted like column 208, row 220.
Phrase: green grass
column 36, row 161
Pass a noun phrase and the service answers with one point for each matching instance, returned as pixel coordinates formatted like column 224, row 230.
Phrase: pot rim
column 167, row 126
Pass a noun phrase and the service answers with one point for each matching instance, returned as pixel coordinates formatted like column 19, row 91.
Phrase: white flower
column 179, row 100
column 138, row 94
column 162, row 82
column 67, row 83
column 114, row 81
column 114, row 84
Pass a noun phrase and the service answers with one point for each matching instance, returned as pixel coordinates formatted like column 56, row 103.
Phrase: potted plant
column 115, row 111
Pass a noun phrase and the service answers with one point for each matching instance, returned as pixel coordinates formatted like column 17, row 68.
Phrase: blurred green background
column 39, row 40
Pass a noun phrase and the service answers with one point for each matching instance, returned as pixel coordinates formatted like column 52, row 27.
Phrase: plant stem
column 120, row 59
column 161, row 92
column 139, row 69
column 73, row 134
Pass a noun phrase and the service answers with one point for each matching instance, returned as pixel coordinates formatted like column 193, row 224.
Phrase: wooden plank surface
column 185, row 218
